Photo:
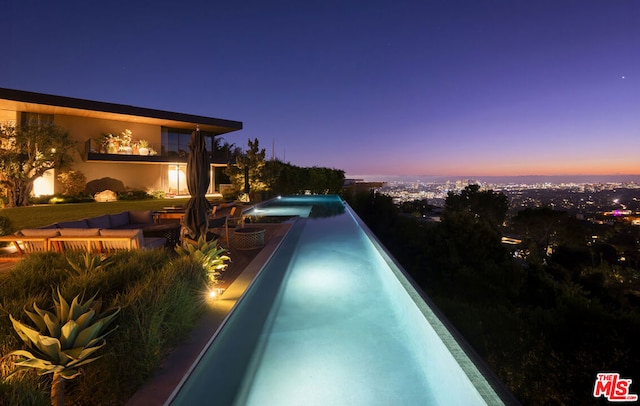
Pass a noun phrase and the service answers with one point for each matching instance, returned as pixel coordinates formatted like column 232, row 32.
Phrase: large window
column 35, row 119
column 175, row 142
column 176, row 181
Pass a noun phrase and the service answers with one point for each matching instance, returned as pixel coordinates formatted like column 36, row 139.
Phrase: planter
column 126, row 150
column 248, row 238
column 143, row 151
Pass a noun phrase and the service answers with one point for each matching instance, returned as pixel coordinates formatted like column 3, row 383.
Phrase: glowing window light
column 177, row 179
column 44, row 185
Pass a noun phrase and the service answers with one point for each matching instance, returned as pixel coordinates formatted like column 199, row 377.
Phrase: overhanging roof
column 18, row 100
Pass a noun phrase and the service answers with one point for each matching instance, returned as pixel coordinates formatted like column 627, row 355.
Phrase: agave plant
column 63, row 340
column 209, row 254
column 89, row 264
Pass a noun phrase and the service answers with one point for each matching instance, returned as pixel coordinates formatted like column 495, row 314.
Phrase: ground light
column 215, row 293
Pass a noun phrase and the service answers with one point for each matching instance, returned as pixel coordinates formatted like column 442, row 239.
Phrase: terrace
column 247, row 265
column 231, row 364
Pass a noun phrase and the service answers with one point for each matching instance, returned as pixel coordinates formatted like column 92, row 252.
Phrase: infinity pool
column 332, row 320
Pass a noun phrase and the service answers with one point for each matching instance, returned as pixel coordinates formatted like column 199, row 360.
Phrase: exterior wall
column 145, row 174
column 7, row 116
column 140, row 176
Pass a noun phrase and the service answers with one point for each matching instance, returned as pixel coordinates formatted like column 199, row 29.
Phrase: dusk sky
column 425, row 87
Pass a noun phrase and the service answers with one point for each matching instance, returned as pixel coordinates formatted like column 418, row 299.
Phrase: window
column 175, row 142
column 36, row 119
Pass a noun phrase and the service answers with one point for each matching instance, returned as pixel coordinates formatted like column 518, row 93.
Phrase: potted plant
column 143, row 147
column 110, row 143
column 125, row 142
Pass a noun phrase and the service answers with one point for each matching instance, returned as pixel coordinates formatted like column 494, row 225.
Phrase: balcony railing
column 152, row 153
column 96, row 152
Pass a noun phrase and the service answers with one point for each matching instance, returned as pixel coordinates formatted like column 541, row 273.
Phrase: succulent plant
column 63, row 340
column 90, row 263
column 207, row 253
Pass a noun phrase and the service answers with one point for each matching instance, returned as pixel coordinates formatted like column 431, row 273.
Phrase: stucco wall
column 8, row 116
column 142, row 176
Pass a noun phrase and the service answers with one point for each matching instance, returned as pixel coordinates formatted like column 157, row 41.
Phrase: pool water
column 331, row 320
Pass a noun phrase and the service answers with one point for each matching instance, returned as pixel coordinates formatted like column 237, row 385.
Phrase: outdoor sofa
column 106, row 233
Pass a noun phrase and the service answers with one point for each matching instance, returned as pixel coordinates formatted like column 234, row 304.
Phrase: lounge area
column 107, row 233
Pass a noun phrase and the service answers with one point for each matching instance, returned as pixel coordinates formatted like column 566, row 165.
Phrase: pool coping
column 178, row 364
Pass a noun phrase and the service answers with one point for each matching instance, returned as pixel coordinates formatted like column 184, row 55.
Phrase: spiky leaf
column 37, row 319
column 68, row 334
column 62, row 307
column 53, row 324
column 26, row 333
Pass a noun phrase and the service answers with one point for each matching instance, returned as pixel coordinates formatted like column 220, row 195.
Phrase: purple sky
column 424, row 87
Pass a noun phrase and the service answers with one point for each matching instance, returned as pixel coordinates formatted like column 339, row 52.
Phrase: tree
column 540, row 225
column 470, row 245
column 487, row 205
column 224, row 151
column 249, row 170
column 26, row 153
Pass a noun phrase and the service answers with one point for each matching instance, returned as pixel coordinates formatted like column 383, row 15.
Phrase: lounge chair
column 223, row 223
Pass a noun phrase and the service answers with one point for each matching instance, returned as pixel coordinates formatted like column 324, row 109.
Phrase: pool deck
column 244, row 267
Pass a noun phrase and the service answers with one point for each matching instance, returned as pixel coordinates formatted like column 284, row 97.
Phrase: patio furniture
column 105, row 233
column 248, row 238
column 225, row 222
column 103, row 240
column 168, row 214
column 27, row 244
column 169, row 231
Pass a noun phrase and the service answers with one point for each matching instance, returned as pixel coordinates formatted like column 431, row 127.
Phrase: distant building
column 354, row 186
column 167, row 133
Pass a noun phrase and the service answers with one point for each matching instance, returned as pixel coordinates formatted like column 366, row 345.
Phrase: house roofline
column 219, row 126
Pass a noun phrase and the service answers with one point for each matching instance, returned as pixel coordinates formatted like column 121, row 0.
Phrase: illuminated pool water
column 332, row 320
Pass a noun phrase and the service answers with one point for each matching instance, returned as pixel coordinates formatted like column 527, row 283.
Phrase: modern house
column 109, row 139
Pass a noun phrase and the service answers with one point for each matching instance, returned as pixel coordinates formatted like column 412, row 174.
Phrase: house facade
column 145, row 149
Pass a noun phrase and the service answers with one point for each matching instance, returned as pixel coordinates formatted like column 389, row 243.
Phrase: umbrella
column 196, row 216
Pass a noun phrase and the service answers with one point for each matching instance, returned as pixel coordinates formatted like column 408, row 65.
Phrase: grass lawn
column 41, row 215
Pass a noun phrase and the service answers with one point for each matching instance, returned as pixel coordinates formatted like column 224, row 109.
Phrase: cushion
column 154, row 242
column 79, row 232
column 129, row 227
column 137, row 234
column 35, row 232
column 140, row 217
column 99, row 222
column 74, row 224
column 119, row 219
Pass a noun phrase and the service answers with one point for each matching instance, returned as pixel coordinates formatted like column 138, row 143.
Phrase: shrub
column 160, row 297
column 209, row 255
column 63, row 340
column 134, row 195
column 73, row 182
column 158, row 194
column 42, row 199
column 5, row 226
column 59, row 199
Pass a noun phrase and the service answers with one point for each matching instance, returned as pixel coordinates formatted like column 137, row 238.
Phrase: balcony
column 95, row 152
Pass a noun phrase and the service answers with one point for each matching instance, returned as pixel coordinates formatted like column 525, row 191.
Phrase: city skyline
column 458, row 89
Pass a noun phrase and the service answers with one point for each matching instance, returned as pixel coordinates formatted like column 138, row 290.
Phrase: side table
column 248, row 238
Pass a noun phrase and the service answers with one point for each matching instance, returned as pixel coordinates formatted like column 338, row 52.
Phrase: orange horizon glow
column 461, row 167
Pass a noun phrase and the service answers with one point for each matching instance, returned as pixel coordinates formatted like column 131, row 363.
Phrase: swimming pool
column 332, row 320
